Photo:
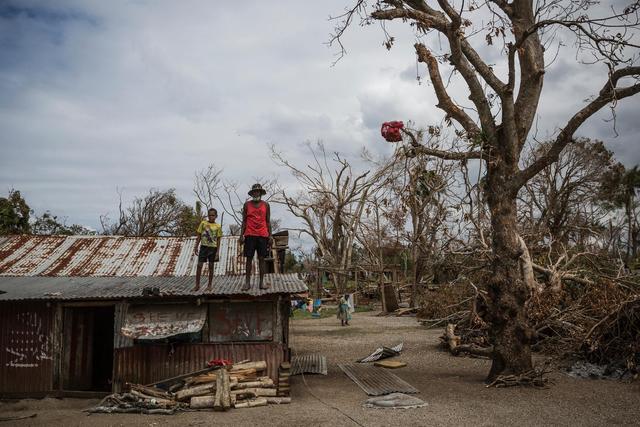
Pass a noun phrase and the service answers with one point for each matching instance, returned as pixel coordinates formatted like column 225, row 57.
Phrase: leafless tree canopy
column 331, row 203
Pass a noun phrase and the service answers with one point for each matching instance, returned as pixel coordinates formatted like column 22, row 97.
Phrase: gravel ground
column 451, row 386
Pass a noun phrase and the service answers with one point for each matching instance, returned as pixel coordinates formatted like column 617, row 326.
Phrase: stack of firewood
column 283, row 379
column 239, row 386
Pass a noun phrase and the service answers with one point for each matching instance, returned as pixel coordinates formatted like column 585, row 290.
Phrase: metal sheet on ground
column 309, row 364
column 382, row 353
column 375, row 381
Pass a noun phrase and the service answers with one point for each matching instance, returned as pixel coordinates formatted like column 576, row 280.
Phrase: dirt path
column 452, row 387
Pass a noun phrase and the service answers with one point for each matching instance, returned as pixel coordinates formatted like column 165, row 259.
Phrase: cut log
column 453, row 342
column 256, row 391
column 452, row 339
column 200, row 390
column 265, row 383
column 201, row 379
column 183, row 376
column 223, row 397
column 261, row 401
column 217, row 404
column 278, row 400
column 177, row 386
column 150, row 391
column 258, row 366
column 201, row 402
column 226, row 390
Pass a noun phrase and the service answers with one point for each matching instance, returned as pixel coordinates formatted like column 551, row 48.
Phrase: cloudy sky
column 99, row 95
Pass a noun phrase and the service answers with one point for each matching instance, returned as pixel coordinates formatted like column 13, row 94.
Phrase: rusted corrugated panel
column 26, row 347
column 117, row 256
column 150, row 363
column 68, row 288
column 119, row 318
column 376, row 381
column 309, row 364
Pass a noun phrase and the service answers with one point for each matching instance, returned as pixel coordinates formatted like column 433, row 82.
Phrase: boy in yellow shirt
column 209, row 234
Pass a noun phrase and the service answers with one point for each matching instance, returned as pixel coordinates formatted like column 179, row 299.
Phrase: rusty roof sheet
column 315, row 363
column 376, row 381
column 112, row 256
column 106, row 288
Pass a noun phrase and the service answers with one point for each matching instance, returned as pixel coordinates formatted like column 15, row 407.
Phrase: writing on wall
column 250, row 321
column 28, row 344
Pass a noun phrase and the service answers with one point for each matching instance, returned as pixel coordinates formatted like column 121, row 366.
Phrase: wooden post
column 383, row 295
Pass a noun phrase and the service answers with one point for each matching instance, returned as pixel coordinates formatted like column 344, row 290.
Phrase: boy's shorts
column 256, row 243
column 207, row 253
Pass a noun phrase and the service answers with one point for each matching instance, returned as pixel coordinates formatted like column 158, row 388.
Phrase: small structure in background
column 369, row 281
column 87, row 314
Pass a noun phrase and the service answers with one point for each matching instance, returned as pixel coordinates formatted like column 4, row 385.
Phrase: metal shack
column 86, row 314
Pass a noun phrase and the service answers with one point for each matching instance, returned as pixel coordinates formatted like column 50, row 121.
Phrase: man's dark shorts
column 256, row 243
column 207, row 253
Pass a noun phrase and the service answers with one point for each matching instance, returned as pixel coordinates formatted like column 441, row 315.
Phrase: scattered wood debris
column 218, row 388
column 390, row 364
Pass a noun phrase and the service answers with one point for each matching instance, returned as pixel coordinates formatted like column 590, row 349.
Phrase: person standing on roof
column 256, row 233
column 208, row 240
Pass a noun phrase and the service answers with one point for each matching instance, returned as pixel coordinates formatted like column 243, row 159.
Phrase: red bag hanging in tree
column 391, row 131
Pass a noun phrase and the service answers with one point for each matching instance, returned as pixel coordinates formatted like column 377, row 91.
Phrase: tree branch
column 444, row 101
column 609, row 93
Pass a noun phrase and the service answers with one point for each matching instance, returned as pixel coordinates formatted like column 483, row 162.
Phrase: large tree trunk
column 507, row 291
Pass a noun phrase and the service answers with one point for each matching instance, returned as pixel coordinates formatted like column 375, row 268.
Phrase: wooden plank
column 390, row 364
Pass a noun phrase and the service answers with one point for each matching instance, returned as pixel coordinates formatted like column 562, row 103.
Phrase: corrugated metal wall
column 150, row 363
column 120, row 317
column 26, row 347
column 78, row 348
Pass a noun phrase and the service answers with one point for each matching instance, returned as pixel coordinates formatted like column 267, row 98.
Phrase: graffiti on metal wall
column 251, row 321
column 28, row 344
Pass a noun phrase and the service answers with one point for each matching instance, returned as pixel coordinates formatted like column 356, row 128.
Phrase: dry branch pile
column 221, row 388
column 597, row 320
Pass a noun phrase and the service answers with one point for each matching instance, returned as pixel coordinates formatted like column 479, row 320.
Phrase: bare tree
column 563, row 203
column 233, row 195
column 428, row 198
column 213, row 191
column 504, row 108
column 207, row 185
column 159, row 213
column 330, row 204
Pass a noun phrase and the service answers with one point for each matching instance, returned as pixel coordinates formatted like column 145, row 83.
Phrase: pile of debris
column 598, row 323
column 219, row 387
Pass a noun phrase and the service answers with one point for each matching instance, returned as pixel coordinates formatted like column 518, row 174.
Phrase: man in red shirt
column 256, row 233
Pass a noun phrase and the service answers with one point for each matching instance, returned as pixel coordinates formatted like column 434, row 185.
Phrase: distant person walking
column 344, row 309
column 256, row 233
column 208, row 240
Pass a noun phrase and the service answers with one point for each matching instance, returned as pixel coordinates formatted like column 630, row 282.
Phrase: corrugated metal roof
column 377, row 381
column 77, row 288
column 309, row 364
column 111, row 256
